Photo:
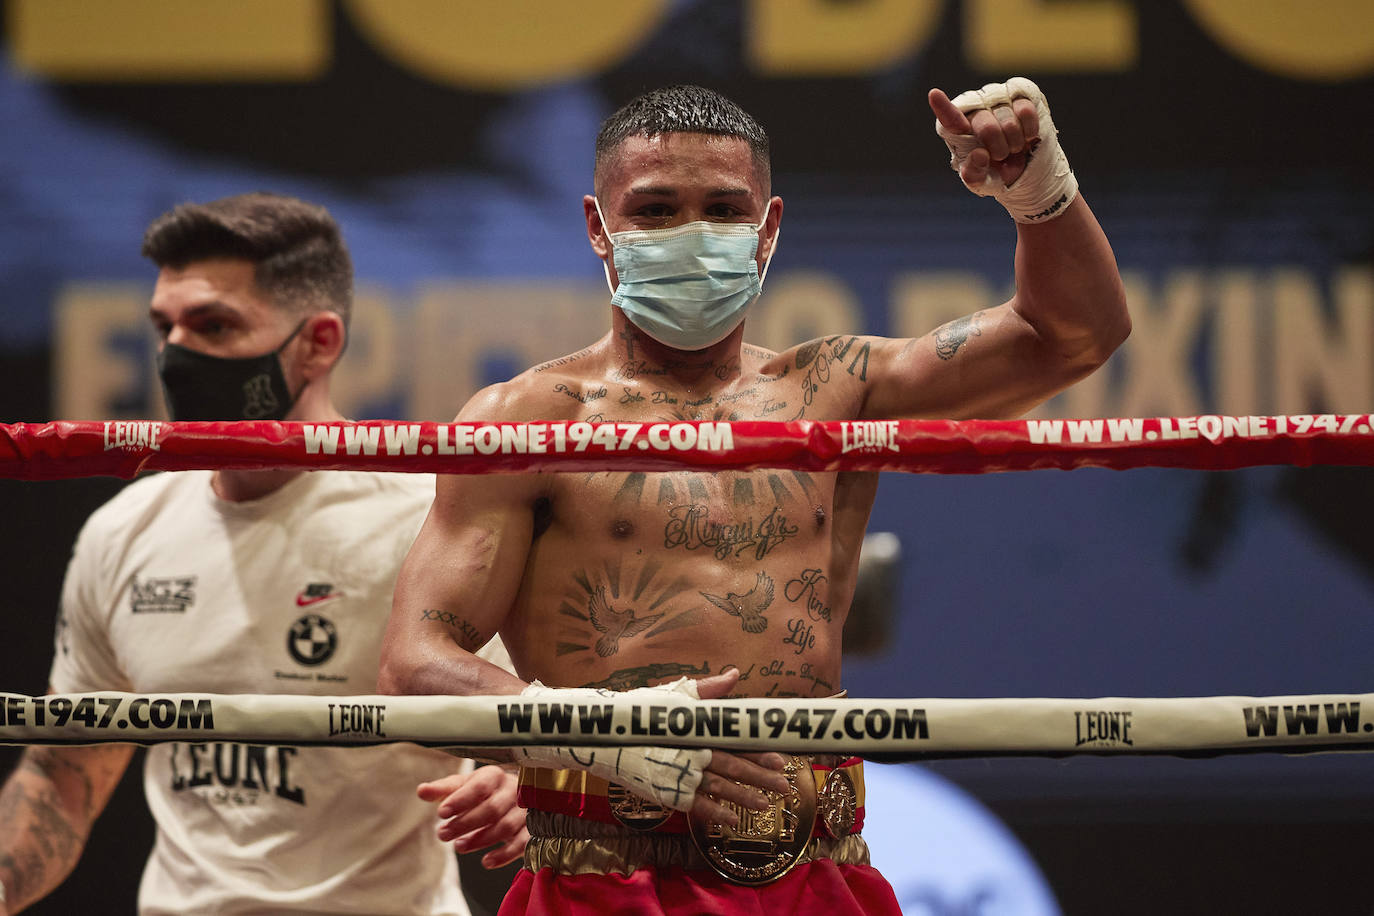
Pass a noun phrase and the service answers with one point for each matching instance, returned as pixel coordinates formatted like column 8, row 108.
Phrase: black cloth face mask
column 198, row 386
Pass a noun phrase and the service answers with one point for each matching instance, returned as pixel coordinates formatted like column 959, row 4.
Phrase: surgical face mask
column 687, row 287
column 198, row 386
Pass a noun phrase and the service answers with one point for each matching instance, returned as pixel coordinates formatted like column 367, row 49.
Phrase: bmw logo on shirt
column 312, row 640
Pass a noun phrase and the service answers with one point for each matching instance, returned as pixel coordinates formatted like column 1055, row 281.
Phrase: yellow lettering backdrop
column 515, row 44
column 170, row 40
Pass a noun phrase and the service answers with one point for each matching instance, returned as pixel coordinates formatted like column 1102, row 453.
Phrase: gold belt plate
column 838, row 803
column 765, row 844
column 636, row 813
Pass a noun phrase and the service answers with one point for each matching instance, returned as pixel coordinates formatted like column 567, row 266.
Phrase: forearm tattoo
column 40, row 841
column 470, row 636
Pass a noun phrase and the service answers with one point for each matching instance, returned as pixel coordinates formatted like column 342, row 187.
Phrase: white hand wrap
column 1047, row 186
column 666, row 775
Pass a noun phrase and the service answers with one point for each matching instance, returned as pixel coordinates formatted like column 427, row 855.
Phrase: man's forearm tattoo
column 54, row 841
column 470, row 634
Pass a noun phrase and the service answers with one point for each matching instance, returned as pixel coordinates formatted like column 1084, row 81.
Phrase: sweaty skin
column 618, row 579
column 640, row 577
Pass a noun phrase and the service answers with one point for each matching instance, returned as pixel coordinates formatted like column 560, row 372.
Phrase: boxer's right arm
column 47, row 807
column 459, row 577
column 459, row 581
column 454, row 590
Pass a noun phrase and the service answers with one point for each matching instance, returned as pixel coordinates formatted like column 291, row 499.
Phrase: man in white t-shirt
column 267, row 581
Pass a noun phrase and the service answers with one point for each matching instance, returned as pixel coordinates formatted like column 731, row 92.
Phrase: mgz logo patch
column 312, row 640
column 172, row 595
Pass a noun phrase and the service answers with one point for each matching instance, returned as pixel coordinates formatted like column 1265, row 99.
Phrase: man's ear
column 769, row 232
column 596, row 230
column 322, row 343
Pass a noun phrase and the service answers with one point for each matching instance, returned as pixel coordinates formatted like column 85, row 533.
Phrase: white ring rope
column 896, row 729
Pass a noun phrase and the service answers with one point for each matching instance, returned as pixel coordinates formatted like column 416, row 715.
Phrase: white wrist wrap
column 1047, row 186
column 666, row 775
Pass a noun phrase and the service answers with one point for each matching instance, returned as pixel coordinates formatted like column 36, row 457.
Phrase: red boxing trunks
column 596, row 849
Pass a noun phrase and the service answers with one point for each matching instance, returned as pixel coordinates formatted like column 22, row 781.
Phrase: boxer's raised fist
column 1003, row 143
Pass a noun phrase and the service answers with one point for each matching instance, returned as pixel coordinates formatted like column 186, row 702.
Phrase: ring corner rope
column 125, row 448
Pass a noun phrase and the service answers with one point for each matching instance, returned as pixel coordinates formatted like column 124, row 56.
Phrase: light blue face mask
column 689, row 286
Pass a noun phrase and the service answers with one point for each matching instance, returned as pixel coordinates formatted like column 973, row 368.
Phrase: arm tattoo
column 471, row 636
column 950, row 337
column 44, row 837
column 817, row 358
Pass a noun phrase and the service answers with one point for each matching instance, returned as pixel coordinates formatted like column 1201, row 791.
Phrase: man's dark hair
column 299, row 259
column 682, row 109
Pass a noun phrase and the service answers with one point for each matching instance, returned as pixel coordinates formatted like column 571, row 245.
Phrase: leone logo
column 312, row 640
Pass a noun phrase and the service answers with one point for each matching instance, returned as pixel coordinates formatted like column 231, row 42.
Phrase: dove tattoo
column 615, row 625
column 748, row 607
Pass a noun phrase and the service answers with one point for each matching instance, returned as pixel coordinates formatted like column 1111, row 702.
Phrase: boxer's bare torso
column 635, row 578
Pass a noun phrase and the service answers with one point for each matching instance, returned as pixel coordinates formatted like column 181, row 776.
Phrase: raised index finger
column 951, row 118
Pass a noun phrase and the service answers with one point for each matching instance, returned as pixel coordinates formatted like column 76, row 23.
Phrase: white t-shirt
column 172, row 589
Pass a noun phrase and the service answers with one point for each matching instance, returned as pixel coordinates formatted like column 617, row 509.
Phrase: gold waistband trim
column 577, row 846
column 534, row 780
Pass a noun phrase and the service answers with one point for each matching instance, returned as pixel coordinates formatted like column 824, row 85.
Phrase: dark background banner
column 1224, row 146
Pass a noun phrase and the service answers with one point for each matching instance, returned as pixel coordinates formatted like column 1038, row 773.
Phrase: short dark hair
column 682, row 109
column 299, row 258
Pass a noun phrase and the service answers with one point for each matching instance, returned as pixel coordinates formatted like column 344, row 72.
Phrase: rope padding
column 896, row 729
column 124, row 448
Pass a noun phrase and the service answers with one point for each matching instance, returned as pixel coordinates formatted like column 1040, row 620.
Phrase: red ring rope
column 58, row 450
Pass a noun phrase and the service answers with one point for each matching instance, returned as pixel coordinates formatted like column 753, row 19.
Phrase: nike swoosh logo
column 302, row 601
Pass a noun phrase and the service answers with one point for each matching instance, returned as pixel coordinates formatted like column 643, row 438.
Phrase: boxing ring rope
column 884, row 729
column 902, row 729
column 124, row 448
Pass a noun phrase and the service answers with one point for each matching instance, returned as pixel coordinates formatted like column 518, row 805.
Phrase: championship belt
column 838, row 803
column 765, row 844
column 631, row 811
